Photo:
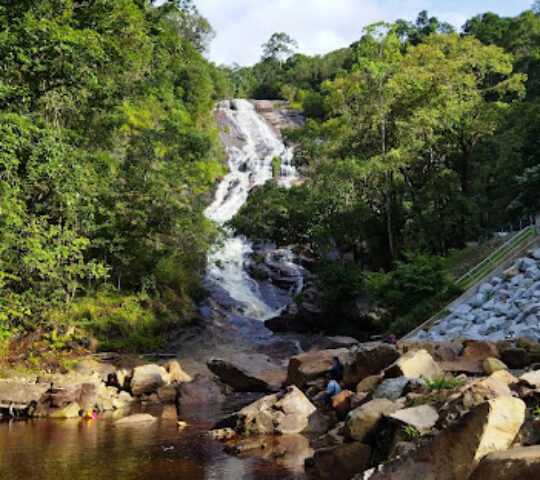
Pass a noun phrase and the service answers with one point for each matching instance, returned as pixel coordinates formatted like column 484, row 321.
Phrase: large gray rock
column 249, row 373
column 519, row 463
column 391, row 388
column 148, row 379
column 202, row 390
column 367, row 359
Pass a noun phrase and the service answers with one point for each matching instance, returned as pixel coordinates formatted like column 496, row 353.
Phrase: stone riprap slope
column 506, row 308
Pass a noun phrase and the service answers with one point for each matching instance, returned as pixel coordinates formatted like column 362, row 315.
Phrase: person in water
column 332, row 389
column 336, row 372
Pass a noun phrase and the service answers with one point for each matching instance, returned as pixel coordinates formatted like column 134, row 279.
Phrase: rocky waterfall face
column 250, row 144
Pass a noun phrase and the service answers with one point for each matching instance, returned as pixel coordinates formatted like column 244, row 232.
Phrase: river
column 92, row 450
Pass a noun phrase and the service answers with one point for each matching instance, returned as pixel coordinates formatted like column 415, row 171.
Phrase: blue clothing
column 336, row 372
column 333, row 388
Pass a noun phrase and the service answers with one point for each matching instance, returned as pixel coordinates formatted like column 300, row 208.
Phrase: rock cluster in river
column 507, row 307
column 93, row 385
column 422, row 409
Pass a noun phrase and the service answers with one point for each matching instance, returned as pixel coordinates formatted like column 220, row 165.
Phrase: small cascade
column 251, row 145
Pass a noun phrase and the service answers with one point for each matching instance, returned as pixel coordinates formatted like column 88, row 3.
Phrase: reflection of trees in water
column 78, row 449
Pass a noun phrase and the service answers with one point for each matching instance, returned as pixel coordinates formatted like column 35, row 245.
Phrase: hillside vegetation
column 418, row 140
column 107, row 153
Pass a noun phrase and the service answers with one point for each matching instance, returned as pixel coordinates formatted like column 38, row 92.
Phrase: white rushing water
column 250, row 165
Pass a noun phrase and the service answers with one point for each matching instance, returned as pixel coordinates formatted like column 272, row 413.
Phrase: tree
column 279, row 47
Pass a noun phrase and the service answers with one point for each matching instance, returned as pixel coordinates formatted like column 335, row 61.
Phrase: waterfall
column 250, row 145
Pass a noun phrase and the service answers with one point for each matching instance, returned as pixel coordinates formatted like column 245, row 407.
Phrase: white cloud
column 319, row 26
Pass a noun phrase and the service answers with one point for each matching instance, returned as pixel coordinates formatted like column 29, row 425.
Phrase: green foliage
column 442, row 383
column 414, row 290
column 339, row 283
column 123, row 323
column 107, row 153
column 411, row 432
column 275, row 213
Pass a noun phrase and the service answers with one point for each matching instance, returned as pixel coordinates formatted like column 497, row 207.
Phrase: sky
column 320, row 26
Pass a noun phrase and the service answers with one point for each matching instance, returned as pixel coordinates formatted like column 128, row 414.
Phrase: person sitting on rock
column 332, row 389
column 336, row 371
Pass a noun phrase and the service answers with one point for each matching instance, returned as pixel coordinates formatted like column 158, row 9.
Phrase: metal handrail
column 491, row 262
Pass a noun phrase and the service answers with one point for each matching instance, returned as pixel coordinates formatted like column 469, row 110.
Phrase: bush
column 416, row 289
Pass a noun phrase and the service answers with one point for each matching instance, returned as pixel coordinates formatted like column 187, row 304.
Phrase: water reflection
column 77, row 449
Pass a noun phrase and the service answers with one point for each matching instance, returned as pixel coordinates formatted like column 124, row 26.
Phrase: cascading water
column 251, row 144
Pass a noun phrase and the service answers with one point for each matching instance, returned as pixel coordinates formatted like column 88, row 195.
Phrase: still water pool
column 92, row 450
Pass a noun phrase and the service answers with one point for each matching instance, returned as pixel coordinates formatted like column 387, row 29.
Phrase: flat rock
column 136, row 420
column 423, row 418
column 249, row 372
column 311, row 365
column 462, row 365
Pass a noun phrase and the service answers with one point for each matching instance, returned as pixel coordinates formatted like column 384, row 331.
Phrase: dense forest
column 418, row 139
column 107, row 153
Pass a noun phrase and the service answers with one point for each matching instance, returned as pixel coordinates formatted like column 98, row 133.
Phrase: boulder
column 462, row 365
column 491, row 365
column 148, row 379
column 283, row 413
column 176, row 374
column 455, row 452
column 249, row 373
column 369, row 383
column 200, row 391
column 480, row 349
column 308, row 366
column 136, row 420
column 532, row 378
column 516, row 358
column 497, row 385
column 391, row 388
column 367, row 359
column 415, row 364
column 516, row 464
column 362, row 421
column 340, row 462
column 423, row 418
